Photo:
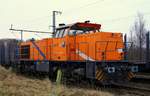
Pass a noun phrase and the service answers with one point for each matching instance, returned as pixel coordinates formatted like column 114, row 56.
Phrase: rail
column 130, row 85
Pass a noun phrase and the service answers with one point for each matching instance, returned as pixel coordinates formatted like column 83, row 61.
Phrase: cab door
column 58, row 46
column 72, row 47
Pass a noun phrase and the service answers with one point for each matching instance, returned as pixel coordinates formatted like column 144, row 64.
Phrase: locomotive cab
column 76, row 29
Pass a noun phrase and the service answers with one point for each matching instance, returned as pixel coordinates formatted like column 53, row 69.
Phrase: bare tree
column 137, row 36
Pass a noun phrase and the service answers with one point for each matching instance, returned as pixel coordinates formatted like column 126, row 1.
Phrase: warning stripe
column 99, row 74
column 101, row 77
column 130, row 75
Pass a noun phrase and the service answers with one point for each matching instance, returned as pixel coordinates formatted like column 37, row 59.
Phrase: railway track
column 131, row 85
column 141, row 78
column 138, row 85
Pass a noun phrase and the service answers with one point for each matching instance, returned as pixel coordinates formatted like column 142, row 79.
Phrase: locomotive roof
column 81, row 24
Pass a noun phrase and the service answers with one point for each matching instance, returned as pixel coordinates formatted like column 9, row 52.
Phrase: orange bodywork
column 93, row 47
column 96, row 46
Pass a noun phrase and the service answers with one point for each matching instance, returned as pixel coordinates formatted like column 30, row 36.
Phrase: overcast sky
column 114, row 15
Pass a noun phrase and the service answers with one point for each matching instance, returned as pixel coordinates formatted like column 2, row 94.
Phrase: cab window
column 74, row 32
column 80, row 30
column 61, row 32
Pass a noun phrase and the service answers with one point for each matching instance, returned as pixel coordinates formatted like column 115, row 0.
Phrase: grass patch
column 17, row 85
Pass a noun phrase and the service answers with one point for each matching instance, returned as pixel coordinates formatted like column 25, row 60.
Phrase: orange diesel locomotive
column 79, row 48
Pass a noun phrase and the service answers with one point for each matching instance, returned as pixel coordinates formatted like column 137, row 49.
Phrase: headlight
column 120, row 50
